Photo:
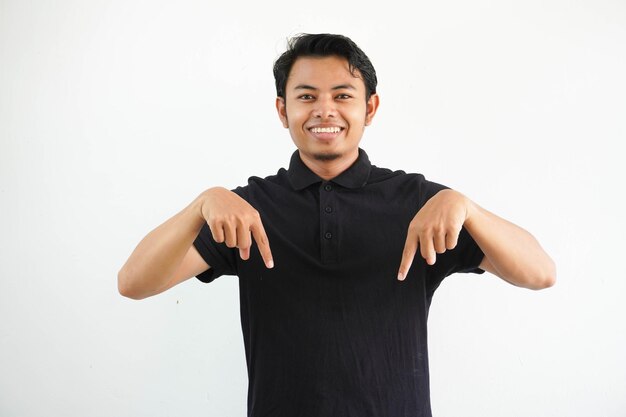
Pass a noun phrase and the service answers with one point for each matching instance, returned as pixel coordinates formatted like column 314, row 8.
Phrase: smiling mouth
column 334, row 129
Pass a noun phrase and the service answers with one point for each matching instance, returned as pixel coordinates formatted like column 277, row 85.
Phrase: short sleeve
column 221, row 259
column 465, row 257
column 427, row 189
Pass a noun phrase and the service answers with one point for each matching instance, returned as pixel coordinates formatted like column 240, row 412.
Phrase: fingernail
column 400, row 276
column 270, row 263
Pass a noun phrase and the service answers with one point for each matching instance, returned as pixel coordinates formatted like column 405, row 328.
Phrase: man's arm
column 511, row 252
column 166, row 256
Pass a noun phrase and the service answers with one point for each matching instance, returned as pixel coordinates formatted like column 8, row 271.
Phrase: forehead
column 323, row 72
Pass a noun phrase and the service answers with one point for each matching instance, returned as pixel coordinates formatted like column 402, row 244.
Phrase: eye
column 344, row 96
column 306, row 97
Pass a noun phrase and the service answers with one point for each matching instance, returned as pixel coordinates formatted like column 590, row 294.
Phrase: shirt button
column 328, row 187
column 328, row 209
column 328, row 235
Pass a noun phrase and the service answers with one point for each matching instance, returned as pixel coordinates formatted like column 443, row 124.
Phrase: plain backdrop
column 114, row 115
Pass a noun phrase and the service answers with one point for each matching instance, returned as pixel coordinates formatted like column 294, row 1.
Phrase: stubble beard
column 325, row 157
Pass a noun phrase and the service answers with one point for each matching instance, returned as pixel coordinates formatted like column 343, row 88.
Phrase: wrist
column 471, row 211
column 201, row 203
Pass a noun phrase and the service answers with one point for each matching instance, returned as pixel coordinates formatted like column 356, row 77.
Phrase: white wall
column 114, row 115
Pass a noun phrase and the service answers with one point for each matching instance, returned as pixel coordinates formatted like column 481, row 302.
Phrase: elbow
column 543, row 283
column 125, row 285
column 545, row 278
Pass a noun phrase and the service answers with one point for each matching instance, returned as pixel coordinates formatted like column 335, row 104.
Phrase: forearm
column 152, row 264
column 514, row 253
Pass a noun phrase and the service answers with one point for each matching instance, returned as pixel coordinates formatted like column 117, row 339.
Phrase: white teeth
column 326, row 130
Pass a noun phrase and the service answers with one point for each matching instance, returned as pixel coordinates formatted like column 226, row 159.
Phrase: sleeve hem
column 216, row 268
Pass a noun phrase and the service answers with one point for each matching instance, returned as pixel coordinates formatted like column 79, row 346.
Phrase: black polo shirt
column 330, row 331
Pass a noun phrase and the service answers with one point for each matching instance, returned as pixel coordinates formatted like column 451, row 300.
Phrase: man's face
column 325, row 108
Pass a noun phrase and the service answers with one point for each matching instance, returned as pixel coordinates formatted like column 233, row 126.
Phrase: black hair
column 322, row 45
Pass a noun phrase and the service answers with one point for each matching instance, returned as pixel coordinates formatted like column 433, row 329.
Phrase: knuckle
column 426, row 231
column 217, row 235
column 454, row 228
column 250, row 217
column 438, row 229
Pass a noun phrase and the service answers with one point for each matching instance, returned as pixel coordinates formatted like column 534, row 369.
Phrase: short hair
column 323, row 45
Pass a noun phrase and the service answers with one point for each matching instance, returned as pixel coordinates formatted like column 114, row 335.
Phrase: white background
column 115, row 115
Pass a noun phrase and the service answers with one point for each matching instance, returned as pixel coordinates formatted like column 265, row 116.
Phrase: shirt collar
column 300, row 176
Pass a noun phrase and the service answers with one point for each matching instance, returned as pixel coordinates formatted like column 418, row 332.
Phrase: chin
column 326, row 156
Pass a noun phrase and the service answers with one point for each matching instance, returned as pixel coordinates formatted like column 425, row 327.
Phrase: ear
column 282, row 111
column 371, row 107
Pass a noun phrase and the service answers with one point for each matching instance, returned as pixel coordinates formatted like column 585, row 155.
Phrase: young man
column 334, row 295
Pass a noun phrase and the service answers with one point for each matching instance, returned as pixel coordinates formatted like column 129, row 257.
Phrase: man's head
column 326, row 89
column 324, row 45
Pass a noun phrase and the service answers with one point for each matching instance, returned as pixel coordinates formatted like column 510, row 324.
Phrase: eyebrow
column 337, row 87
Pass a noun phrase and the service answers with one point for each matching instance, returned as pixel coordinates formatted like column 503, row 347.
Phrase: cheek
column 357, row 117
column 295, row 117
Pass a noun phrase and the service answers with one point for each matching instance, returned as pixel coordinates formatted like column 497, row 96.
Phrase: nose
column 325, row 108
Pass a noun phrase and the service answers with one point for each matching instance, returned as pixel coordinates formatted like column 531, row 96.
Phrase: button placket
column 328, row 226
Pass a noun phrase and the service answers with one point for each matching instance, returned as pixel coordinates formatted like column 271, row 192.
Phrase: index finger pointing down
column 260, row 237
column 408, row 254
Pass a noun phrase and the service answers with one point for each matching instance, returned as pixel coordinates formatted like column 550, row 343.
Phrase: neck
column 328, row 170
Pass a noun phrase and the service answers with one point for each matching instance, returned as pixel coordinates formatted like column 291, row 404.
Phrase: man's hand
column 435, row 228
column 234, row 221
